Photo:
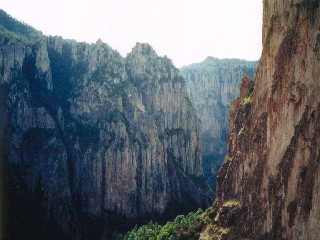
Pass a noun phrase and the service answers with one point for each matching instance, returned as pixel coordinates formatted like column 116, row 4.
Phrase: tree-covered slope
column 11, row 30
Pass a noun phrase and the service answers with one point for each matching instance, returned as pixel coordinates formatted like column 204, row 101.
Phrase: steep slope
column 272, row 165
column 212, row 85
column 12, row 31
column 87, row 135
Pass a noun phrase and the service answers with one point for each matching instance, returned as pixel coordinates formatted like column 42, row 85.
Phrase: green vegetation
column 242, row 131
column 247, row 99
column 182, row 227
column 213, row 223
column 12, row 31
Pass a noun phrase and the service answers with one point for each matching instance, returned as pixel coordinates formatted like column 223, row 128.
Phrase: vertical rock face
column 86, row 133
column 164, row 94
column 272, row 164
column 212, row 85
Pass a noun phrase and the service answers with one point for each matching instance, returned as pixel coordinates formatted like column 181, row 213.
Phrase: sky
column 187, row 31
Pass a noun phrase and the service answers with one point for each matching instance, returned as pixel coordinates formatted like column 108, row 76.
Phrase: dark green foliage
column 182, row 227
column 12, row 31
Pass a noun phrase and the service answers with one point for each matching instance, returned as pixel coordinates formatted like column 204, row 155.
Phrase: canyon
column 268, row 185
column 89, row 137
column 212, row 85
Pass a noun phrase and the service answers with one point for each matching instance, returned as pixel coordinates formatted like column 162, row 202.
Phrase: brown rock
column 272, row 166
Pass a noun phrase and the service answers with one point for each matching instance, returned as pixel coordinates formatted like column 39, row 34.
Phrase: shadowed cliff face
column 212, row 85
column 272, row 164
column 86, row 133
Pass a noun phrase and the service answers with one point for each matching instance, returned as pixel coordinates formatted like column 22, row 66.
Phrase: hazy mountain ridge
column 212, row 85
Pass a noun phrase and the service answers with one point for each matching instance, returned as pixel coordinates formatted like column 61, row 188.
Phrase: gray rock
column 88, row 133
column 212, row 85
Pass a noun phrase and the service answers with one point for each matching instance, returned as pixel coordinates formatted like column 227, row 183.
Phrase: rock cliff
column 272, row 166
column 212, row 85
column 87, row 135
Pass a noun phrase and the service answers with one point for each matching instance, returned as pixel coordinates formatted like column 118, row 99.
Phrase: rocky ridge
column 272, row 165
column 88, row 135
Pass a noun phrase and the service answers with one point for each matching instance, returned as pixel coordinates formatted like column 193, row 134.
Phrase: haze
column 187, row 31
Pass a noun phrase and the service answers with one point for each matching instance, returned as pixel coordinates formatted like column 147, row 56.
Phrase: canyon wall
column 272, row 165
column 212, row 85
column 87, row 135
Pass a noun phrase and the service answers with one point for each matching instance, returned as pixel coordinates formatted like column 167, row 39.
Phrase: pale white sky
column 187, row 31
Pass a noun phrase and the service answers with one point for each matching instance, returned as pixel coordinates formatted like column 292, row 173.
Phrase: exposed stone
column 89, row 135
column 212, row 85
column 272, row 164
column 225, row 222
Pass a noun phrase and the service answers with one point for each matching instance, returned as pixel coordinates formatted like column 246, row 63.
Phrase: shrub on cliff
column 182, row 227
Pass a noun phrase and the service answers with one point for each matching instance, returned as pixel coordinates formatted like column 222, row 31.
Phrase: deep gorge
column 93, row 143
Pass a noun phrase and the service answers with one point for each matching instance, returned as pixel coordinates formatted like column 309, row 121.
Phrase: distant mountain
column 90, row 139
column 212, row 85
